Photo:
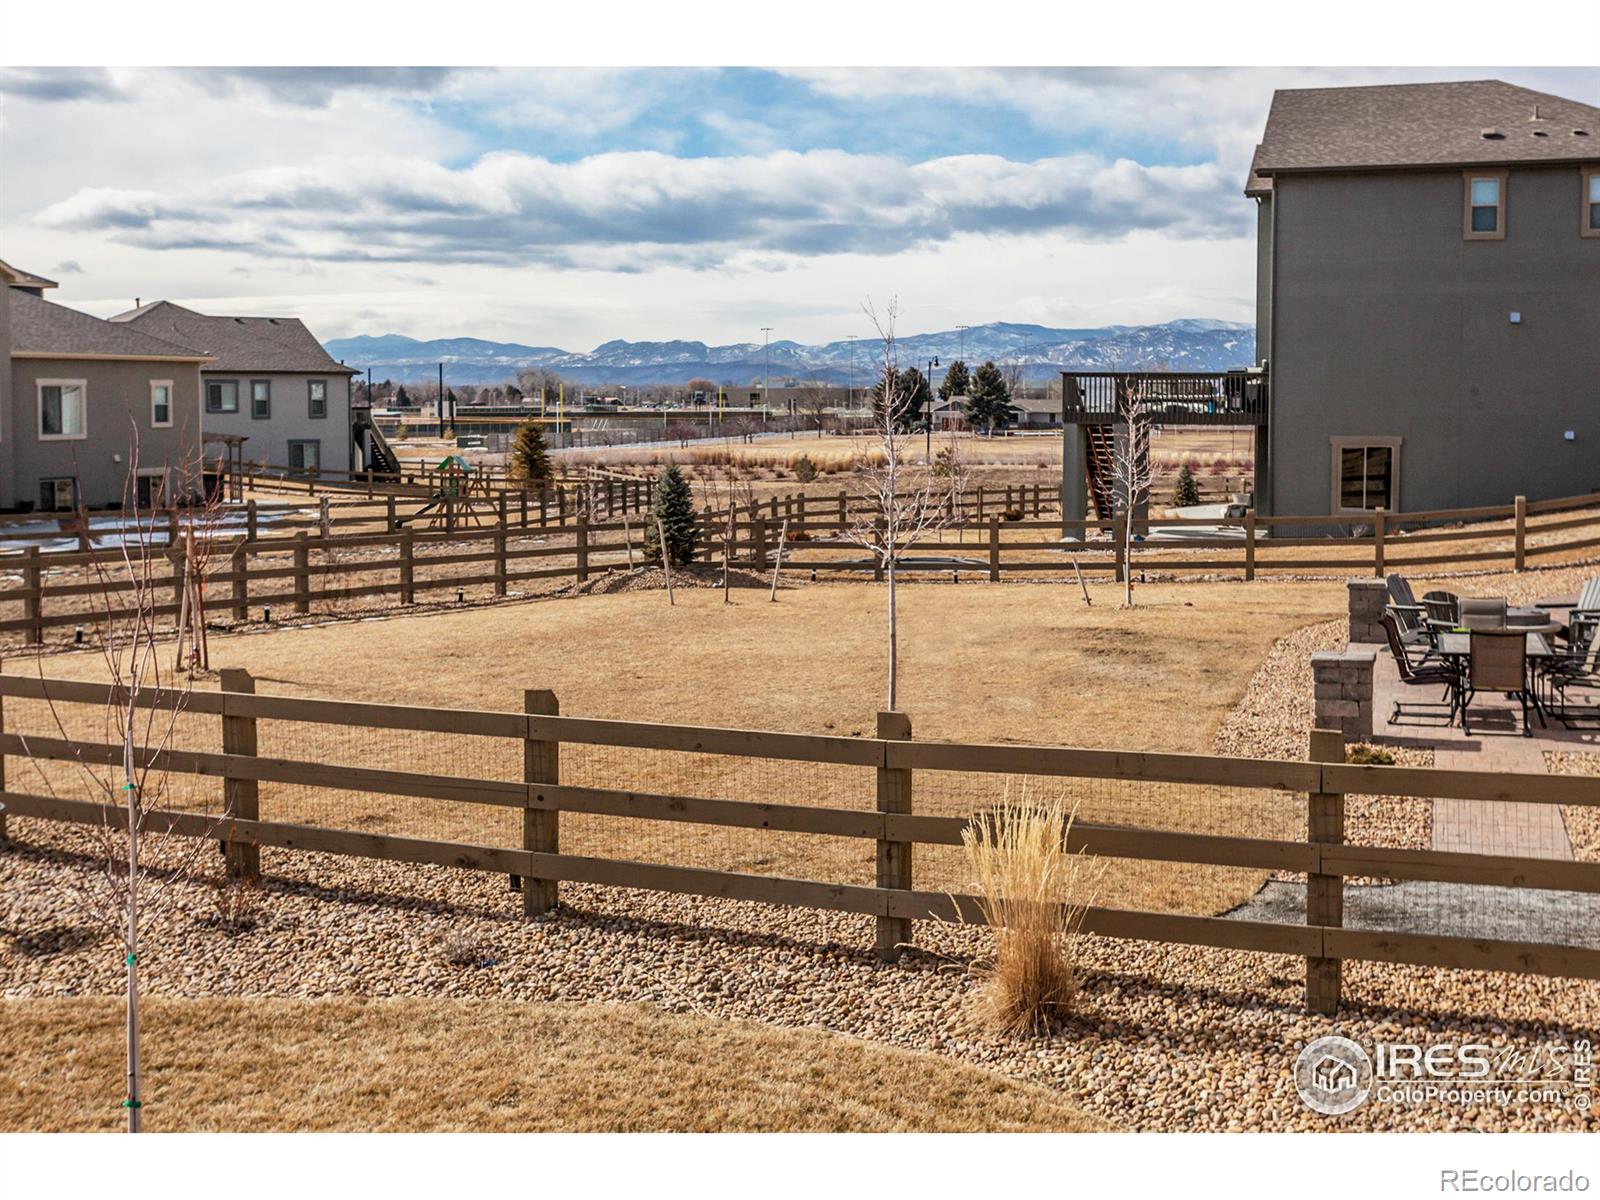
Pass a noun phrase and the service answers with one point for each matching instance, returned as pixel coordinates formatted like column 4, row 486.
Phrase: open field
column 486, row 1067
column 1015, row 663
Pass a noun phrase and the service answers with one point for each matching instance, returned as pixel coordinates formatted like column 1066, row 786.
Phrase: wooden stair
column 1100, row 467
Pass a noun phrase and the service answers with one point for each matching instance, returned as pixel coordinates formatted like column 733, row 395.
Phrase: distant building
column 76, row 395
column 270, row 381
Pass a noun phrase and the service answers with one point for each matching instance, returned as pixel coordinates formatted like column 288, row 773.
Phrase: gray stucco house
column 76, row 395
column 1427, row 307
column 270, row 381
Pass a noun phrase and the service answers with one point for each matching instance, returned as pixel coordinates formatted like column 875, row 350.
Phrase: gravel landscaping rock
column 1166, row 1037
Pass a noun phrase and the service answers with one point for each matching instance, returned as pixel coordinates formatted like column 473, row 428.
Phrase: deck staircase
column 1100, row 466
column 377, row 453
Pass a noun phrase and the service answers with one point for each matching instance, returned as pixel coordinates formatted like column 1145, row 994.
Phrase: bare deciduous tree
column 124, row 895
column 905, row 500
column 1131, row 469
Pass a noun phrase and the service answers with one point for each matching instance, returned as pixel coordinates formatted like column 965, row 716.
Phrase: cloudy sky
column 568, row 206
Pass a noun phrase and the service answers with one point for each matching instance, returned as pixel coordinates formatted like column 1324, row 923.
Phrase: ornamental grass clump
column 1034, row 893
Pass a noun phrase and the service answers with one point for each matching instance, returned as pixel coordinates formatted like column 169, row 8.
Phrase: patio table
column 1537, row 650
column 1558, row 602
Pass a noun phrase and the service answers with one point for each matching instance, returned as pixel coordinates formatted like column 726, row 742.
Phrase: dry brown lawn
column 1019, row 663
column 434, row 1065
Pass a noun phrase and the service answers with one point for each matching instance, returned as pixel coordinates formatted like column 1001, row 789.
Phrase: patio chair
column 1413, row 673
column 1442, row 609
column 1589, row 600
column 1498, row 663
column 1410, row 616
column 1576, row 670
column 1478, row 612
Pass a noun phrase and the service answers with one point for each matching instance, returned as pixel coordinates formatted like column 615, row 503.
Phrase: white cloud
column 628, row 211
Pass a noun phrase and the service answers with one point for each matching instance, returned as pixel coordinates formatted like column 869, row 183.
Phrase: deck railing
column 1173, row 397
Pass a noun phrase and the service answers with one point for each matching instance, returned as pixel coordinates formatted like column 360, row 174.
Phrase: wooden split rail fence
column 1323, row 939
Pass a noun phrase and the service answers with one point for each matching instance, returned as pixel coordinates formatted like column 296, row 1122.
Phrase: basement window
column 1484, row 218
column 1366, row 474
column 1591, row 202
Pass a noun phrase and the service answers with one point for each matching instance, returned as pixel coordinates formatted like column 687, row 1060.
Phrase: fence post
column 583, row 547
column 994, row 549
column 894, row 858
column 544, row 504
column 369, row 483
column 522, row 505
column 302, row 574
column 980, row 502
column 500, row 558
column 240, row 566
column 1522, row 533
column 758, row 538
column 1324, row 893
column 389, row 525
column 251, row 524
column 408, row 564
column 1249, row 544
column 1377, row 542
column 844, row 511
column 83, row 525
column 33, row 603
column 501, row 507
column 241, row 796
column 541, row 827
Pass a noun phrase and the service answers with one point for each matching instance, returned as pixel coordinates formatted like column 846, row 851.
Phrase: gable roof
column 238, row 343
column 40, row 328
column 17, row 277
column 1479, row 123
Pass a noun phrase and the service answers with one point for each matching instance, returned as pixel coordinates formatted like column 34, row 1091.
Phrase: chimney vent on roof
column 1536, row 116
column 1541, row 133
column 1492, row 135
column 136, row 302
column 1580, row 133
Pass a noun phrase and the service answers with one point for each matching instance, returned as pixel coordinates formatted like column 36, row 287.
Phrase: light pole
column 928, row 423
column 850, row 374
column 963, row 329
column 766, row 366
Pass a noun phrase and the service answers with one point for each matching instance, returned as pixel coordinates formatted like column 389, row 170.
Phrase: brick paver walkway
column 1496, row 744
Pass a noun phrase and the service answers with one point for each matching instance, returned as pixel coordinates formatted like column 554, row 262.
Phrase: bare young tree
column 905, row 500
column 139, row 724
column 1131, row 471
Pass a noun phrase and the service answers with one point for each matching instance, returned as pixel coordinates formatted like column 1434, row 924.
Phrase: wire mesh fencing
column 1150, row 885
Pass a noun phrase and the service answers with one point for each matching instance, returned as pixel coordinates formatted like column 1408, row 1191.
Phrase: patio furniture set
column 1544, row 657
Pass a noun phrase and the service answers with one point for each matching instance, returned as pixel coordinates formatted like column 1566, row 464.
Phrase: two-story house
column 91, row 413
column 1428, row 297
column 270, row 383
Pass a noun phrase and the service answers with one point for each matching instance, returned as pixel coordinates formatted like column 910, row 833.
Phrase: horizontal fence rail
column 894, row 825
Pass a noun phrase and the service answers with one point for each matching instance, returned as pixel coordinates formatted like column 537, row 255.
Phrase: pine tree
column 401, row 399
column 911, row 397
column 956, row 381
column 989, row 400
column 674, row 507
column 1187, row 491
column 530, row 454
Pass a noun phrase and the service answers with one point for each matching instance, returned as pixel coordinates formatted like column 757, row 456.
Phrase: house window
column 305, row 455
column 1485, row 216
column 61, row 409
column 160, row 403
column 1591, row 202
column 56, row 495
column 1366, row 474
column 318, row 392
column 222, row 396
column 260, row 399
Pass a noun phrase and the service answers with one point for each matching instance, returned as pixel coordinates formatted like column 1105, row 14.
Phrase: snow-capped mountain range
column 1186, row 345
